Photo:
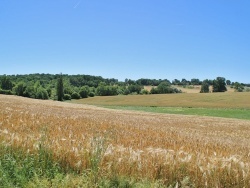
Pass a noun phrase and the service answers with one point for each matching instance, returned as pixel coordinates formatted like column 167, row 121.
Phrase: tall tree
column 6, row 84
column 184, row 82
column 195, row 81
column 164, row 87
column 219, row 85
column 60, row 91
column 20, row 88
column 205, row 87
column 228, row 82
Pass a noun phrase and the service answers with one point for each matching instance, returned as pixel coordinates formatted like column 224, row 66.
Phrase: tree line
column 65, row 87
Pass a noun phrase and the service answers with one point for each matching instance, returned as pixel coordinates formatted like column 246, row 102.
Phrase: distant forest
column 67, row 87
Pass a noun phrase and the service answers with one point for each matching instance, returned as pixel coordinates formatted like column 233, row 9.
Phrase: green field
column 215, row 112
column 229, row 105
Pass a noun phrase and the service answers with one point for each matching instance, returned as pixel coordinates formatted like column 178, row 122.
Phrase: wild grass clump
column 18, row 167
column 21, row 169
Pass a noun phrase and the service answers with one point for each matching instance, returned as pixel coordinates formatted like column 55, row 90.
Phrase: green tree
column 219, row 85
column 6, row 83
column 84, row 92
column 104, row 90
column 29, row 92
column 228, row 82
column 19, row 89
column 176, row 82
column 164, row 87
column 60, row 91
column 37, row 85
column 184, row 82
column 42, row 93
column 101, row 89
column 205, row 87
column 134, row 88
column 195, row 81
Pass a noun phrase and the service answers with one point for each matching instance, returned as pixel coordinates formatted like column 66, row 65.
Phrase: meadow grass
column 228, row 105
column 214, row 112
column 233, row 100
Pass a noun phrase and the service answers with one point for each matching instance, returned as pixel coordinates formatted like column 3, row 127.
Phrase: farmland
column 229, row 104
column 104, row 144
column 202, row 100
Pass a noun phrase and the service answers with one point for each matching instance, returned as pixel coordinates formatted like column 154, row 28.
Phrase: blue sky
column 162, row 39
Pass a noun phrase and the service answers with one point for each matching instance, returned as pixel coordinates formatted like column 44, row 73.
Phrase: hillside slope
column 131, row 143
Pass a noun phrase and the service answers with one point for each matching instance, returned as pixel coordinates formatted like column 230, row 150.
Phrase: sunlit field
column 201, row 100
column 166, row 150
column 229, row 104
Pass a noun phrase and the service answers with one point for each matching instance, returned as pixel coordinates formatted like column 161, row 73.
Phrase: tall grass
column 19, row 168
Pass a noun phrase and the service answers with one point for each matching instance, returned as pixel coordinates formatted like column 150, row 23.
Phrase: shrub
column 144, row 92
column 175, row 90
column 154, row 91
column 84, row 92
column 164, row 87
column 67, row 97
column 238, row 87
column 126, row 92
column 134, row 89
column 42, row 93
column 75, row 95
column 6, row 92
column 247, row 89
column 190, row 87
column 91, row 94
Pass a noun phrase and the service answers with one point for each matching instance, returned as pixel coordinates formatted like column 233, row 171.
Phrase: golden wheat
column 212, row 152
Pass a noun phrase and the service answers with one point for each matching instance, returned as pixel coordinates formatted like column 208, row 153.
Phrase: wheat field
column 191, row 151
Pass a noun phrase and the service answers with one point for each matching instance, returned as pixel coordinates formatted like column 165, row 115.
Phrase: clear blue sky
column 127, row 38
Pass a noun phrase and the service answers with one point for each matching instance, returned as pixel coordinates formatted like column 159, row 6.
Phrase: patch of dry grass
column 190, row 150
column 200, row 100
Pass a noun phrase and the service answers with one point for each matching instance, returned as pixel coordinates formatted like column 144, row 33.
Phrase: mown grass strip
column 214, row 112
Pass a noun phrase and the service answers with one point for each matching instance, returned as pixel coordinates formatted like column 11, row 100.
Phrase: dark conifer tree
column 60, row 91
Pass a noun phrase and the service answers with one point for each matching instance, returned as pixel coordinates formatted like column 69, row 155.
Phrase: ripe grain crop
column 175, row 149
